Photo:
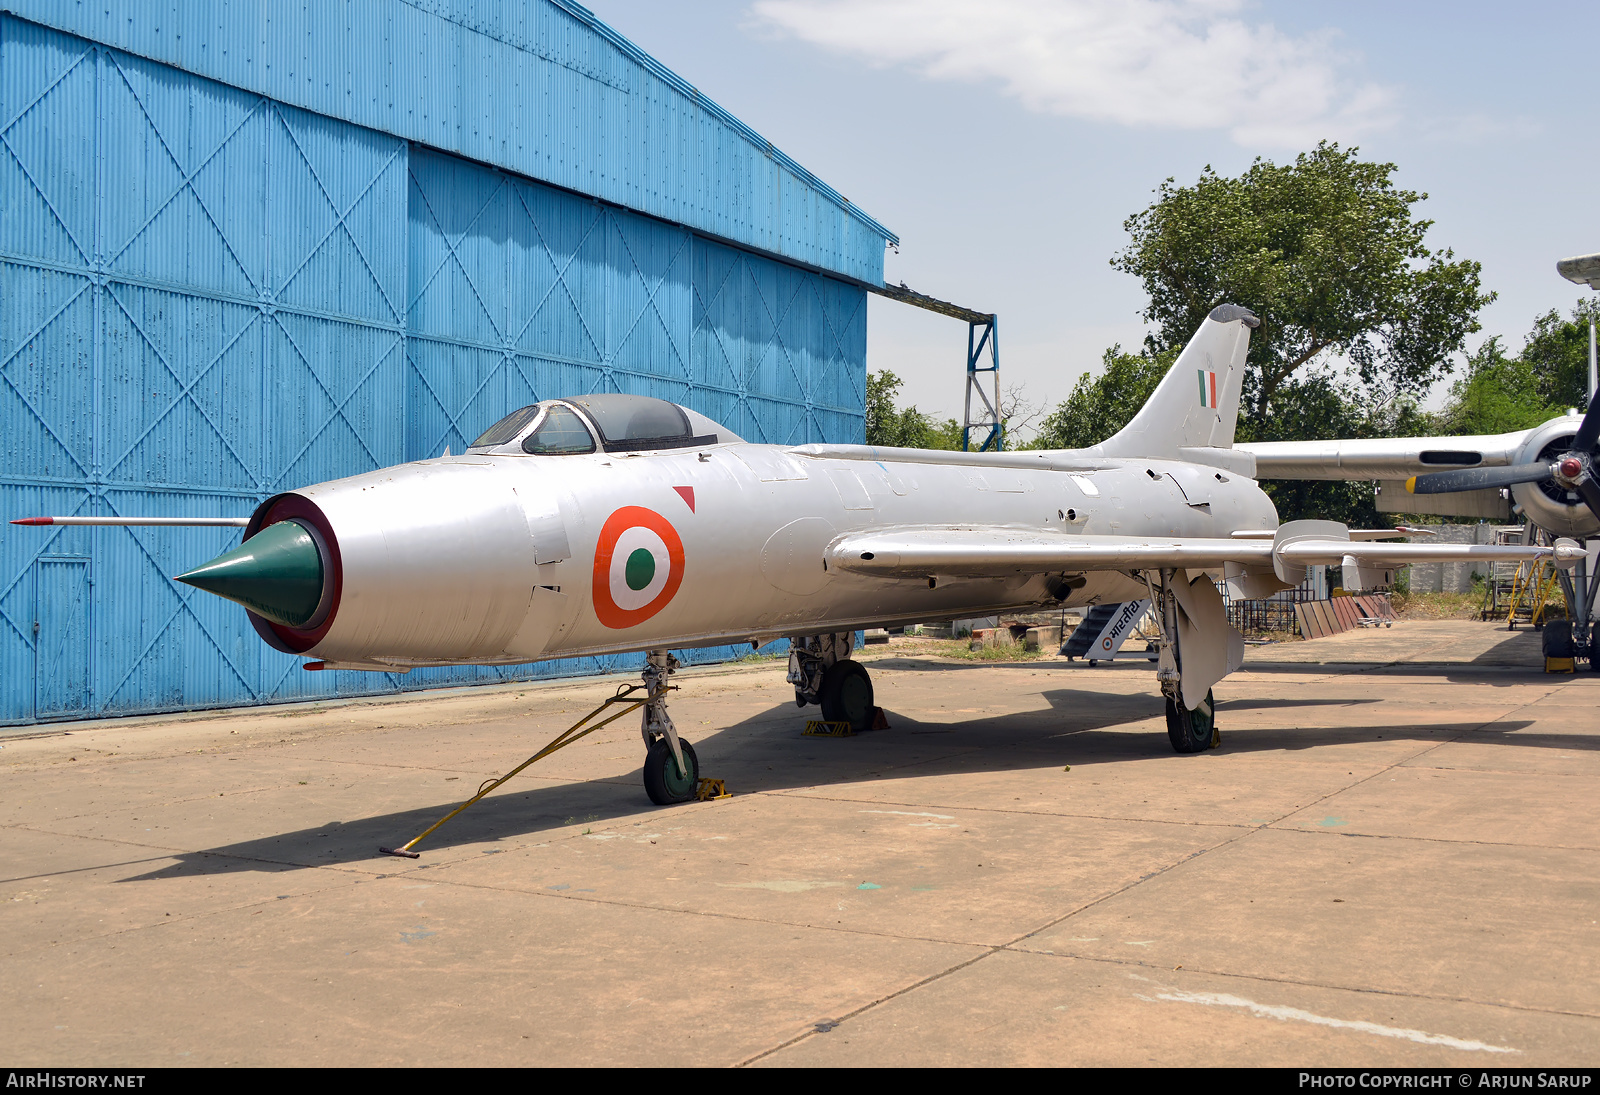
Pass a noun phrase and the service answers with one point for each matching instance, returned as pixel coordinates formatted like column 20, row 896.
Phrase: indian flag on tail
column 1208, row 388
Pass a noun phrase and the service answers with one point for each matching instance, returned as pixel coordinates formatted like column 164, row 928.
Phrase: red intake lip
column 283, row 507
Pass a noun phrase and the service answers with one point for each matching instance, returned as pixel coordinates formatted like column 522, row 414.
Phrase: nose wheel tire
column 847, row 695
column 1191, row 731
column 662, row 781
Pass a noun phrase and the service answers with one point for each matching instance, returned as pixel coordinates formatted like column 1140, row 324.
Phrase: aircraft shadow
column 767, row 753
column 1516, row 657
column 1494, row 673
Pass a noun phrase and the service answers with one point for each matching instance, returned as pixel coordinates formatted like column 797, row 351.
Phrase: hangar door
column 61, row 637
column 207, row 297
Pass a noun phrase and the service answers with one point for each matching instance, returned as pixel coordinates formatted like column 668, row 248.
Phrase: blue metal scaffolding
column 988, row 423
column 983, row 334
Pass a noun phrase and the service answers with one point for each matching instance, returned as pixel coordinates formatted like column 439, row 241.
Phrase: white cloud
column 1188, row 64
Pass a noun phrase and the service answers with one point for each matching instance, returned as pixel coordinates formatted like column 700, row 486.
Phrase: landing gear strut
column 822, row 672
column 1577, row 635
column 671, row 770
column 1190, row 730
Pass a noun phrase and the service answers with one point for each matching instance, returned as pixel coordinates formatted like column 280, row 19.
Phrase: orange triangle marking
column 688, row 496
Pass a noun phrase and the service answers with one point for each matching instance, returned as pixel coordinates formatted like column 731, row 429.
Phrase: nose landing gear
column 671, row 770
column 664, row 781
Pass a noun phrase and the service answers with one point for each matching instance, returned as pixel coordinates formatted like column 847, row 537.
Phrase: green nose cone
column 277, row 574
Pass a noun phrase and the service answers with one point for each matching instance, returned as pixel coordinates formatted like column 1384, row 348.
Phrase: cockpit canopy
column 622, row 423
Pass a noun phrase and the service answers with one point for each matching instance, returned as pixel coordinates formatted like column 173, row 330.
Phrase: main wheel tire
column 1557, row 639
column 662, row 781
column 1594, row 647
column 1191, row 731
column 847, row 695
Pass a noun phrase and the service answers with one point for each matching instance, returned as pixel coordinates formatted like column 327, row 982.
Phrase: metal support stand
column 625, row 697
column 989, row 425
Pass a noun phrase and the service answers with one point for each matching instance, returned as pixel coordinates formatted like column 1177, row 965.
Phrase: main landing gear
column 1192, row 731
column 1189, row 729
column 671, row 770
column 822, row 672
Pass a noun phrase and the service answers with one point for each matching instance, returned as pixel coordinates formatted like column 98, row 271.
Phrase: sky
column 1006, row 142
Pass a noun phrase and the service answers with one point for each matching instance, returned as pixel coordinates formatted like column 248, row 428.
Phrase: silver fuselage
column 499, row 558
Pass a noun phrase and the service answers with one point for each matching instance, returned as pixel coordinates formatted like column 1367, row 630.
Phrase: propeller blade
column 1591, row 493
column 1589, row 428
column 1448, row 482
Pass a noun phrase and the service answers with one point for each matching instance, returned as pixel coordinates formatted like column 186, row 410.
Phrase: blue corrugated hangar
column 249, row 246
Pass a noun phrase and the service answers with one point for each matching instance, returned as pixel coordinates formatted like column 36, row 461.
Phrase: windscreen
column 562, row 432
column 508, row 427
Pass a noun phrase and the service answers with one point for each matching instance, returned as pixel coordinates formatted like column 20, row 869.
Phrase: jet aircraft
column 619, row 523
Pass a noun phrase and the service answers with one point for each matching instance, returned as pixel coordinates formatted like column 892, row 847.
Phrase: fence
column 1275, row 613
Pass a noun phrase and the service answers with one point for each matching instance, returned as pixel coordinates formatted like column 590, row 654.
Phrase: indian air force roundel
column 638, row 567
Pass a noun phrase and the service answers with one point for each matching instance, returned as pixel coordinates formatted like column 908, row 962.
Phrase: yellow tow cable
column 561, row 740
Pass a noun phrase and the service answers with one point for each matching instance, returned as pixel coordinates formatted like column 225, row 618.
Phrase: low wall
column 1451, row 577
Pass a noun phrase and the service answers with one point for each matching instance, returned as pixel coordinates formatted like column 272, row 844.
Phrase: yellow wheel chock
column 709, row 790
column 817, row 728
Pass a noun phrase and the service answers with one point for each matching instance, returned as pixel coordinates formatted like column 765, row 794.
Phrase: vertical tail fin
column 1196, row 405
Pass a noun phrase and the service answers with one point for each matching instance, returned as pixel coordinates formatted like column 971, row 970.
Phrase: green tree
column 907, row 427
column 1101, row 405
column 1317, row 405
column 886, row 424
column 944, row 435
column 1311, row 406
column 1557, row 353
column 1326, row 251
column 1498, row 394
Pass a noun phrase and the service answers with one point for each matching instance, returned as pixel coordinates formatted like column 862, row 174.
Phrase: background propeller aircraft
column 1549, row 473
column 615, row 523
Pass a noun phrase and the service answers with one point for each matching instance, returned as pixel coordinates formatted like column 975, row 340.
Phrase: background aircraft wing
column 1381, row 457
column 970, row 551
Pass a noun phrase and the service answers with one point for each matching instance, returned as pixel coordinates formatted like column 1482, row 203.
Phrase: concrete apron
column 1388, row 861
